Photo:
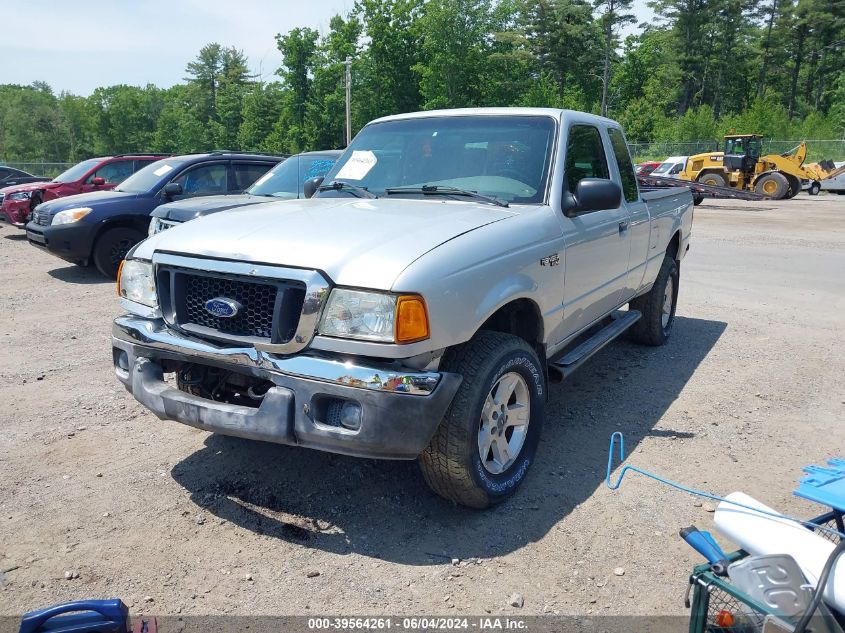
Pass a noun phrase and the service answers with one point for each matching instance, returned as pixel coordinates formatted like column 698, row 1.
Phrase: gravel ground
column 175, row 520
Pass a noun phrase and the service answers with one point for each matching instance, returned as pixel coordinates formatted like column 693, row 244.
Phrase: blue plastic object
column 825, row 485
column 83, row 616
column 706, row 545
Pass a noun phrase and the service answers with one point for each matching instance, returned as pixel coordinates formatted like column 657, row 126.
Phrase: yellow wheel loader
column 741, row 167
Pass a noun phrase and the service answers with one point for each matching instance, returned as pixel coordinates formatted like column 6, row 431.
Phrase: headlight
column 375, row 316
column 70, row 216
column 20, row 195
column 135, row 282
column 155, row 227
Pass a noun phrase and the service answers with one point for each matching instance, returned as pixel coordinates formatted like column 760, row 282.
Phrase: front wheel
column 111, row 248
column 481, row 452
column 814, row 188
column 34, row 201
column 657, row 306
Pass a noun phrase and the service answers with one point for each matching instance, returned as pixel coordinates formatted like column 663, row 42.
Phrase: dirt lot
column 174, row 520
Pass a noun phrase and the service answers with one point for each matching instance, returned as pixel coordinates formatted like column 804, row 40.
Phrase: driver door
column 597, row 242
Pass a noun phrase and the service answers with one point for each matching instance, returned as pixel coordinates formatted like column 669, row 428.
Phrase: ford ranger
column 448, row 268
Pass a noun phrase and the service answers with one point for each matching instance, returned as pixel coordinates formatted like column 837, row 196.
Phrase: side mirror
column 310, row 186
column 99, row 181
column 592, row 194
column 172, row 189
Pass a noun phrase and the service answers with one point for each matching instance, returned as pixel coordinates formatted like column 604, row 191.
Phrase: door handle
column 623, row 226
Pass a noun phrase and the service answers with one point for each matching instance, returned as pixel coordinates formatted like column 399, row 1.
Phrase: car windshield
column 286, row 179
column 506, row 157
column 77, row 171
column 146, row 179
column 664, row 168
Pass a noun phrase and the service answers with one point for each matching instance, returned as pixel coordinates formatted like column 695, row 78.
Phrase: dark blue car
column 101, row 227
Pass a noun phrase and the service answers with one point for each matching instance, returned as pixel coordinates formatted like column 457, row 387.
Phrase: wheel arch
column 122, row 221
column 520, row 317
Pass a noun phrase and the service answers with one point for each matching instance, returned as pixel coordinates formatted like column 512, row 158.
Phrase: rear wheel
column 657, row 306
column 111, row 247
column 814, row 188
column 772, row 185
column 713, row 180
column 485, row 443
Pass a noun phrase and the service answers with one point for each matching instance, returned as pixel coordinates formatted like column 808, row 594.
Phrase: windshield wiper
column 431, row 190
column 340, row 185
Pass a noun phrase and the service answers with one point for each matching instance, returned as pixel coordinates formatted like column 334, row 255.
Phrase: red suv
column 94, row 174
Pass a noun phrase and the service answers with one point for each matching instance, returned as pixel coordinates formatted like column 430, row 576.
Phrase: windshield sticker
column 358, row 165
column 263, row 179
column 163, row 170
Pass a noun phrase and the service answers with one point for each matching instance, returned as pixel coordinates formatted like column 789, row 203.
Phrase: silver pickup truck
column 447, row 270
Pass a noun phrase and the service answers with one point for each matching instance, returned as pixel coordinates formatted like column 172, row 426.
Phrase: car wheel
column 697, row 199
column 814, row 189
column 772, row 185
column 481, row 452
column 111, row 248
column 34, row 200
column 657, row 307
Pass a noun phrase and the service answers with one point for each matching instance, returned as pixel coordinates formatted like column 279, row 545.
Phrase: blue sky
column 77, row 45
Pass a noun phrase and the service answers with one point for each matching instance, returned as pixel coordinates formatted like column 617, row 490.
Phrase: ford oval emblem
column 222, row 307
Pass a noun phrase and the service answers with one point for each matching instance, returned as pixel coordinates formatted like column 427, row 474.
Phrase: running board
column 576, row 357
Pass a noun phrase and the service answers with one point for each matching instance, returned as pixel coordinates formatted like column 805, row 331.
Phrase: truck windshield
column 506, row 157
column 77, row 171
column 146, row 179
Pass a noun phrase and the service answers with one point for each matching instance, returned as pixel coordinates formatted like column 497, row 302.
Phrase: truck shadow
column 83, row 275
column 383, row 509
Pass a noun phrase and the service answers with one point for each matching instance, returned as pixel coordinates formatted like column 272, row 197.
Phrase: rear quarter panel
column 671, row 211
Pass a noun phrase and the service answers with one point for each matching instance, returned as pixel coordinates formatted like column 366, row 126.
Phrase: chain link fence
column 40, row 168
column 817, row 149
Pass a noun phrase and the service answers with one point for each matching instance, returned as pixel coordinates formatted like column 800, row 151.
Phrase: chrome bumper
column 155, row 335
column 400, row 409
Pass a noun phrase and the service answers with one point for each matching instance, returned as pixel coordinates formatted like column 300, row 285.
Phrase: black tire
column 111, row 247
column 794, row 186
column 34, row 201
column 773, row 185
column 697, row 199
column 814, row 188
column 651, row 329
column 452, row 464
column 713, row 180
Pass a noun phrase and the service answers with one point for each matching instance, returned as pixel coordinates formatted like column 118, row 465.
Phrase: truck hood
column 84, row 200
column 185, row 210
column 356, row 242
column 31, row 186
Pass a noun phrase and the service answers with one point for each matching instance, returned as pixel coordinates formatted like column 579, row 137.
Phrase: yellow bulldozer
column 741, row 166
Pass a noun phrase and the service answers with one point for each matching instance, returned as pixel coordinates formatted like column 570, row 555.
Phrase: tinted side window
column 247, row 173
column 203, row 180
column 585, row 157
column 113, row 173
column 5, row 173
column 626, row 169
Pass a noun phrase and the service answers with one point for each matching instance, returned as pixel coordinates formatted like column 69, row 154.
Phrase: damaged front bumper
column 398, row 409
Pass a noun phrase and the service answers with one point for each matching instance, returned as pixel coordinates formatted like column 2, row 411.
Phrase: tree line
column 700, row 68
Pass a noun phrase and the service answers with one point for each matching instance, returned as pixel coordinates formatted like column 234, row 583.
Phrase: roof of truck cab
column 556, row 113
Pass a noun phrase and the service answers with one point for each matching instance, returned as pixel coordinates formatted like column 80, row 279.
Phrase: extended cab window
column 585, row 157
column 247, row 173
column 626, row 168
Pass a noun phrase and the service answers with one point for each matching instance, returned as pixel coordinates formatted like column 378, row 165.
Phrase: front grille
column 41, row 218
column 254, row 318
column 268, row 309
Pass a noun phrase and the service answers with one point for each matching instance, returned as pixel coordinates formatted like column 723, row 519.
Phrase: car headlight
column 155, row 227
column 375, row 316
column 20, row 195
column 135, row 282
column 70, row 216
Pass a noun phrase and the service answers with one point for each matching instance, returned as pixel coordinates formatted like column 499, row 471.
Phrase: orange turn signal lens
column 119, row 270
column 411, row 319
